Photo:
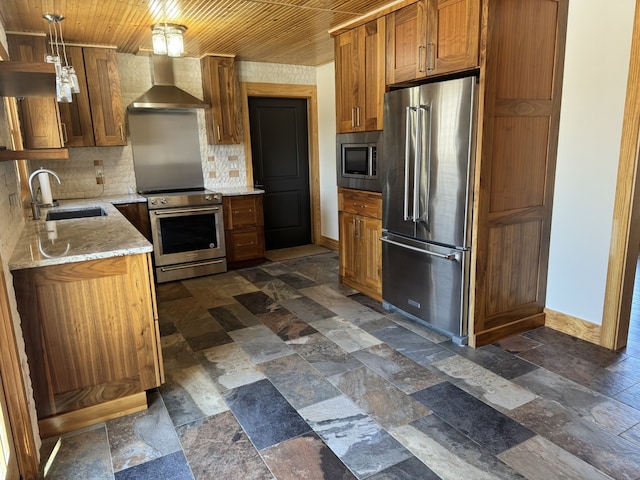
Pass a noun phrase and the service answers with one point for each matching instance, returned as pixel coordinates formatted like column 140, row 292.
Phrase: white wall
column 595, row 78
column 327, row 145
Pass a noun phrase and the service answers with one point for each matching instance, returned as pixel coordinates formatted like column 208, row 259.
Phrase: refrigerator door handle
column 416, row 165
column 418, row 215
column 449, row 256
column 407, row 151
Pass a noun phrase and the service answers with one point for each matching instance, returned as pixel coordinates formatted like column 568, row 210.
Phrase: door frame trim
column 625, row 231
column 280, row 90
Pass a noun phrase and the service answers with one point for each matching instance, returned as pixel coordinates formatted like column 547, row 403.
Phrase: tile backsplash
column 222, row 165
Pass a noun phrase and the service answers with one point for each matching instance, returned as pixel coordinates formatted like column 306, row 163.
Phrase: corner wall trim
column 329, row 243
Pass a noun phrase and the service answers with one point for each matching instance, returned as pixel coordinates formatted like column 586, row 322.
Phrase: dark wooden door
column 279, row 146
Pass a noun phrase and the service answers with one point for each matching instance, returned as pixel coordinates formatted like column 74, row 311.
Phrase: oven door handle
column 189, row 265
column 186, row 210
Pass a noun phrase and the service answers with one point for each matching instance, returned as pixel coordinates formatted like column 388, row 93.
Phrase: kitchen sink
column 75, row 213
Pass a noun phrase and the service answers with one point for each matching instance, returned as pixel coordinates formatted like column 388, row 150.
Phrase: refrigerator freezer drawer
column 426, row 281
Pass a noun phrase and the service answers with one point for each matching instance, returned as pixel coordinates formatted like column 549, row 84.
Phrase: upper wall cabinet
column 96, row 115
column 432, row 37
column 105, row 96
column 219, row 90
column 38, row 115
column 406, row 44
column 77, row 126
column 360, row 78
column 453, row 33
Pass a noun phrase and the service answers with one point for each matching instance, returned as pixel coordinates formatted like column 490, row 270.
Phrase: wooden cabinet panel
column 347, row 252
column 440, row 37
column 520, row 111
column 244, row 230
column 360, row 228
column 219, row 90
column 360, row 81
column 107, row 110
column 371, row 257
column 77, row 126
column 406, row 44
column 39, row 117
column 138, row 214
column 347, row 80
column 453, row 33
column 90, row 333
column 243, row 211
column 361, row 202
column 245, row 244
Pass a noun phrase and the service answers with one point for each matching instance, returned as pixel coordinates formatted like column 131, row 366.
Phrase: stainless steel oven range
column 188, row 234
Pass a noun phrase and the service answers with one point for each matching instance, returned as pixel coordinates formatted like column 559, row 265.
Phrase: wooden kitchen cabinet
column 105, row 96
column 360, row 77
column 77, row 124
column 519, row 106
column 96, row 115
column 39, row 117
column 406, row 50
column 243, row 230
column 92, row 339
column 220, row 92
column 432, row 37
column 453, row 35
column 360, row 228
column 138, row 214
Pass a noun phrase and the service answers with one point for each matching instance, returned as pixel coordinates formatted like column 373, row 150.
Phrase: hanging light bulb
column 167, row 39
column 159, row 40
column 175, row 45
column 66, row 78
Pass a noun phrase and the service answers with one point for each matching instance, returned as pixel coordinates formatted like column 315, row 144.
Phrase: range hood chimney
column 164, row 95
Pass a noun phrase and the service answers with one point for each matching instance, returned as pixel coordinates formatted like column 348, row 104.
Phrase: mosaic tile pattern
column 279, row 372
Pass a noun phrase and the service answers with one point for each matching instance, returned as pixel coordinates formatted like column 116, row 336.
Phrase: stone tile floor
column 280, row 372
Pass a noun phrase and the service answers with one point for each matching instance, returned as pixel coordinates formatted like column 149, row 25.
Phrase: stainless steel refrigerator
column 426, row 168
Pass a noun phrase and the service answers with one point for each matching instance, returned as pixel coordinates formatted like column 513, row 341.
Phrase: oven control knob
column 208, row 198
column 163, row 201
column 154, row 202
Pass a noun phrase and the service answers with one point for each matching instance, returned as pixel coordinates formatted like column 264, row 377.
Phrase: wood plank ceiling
column 278, row 31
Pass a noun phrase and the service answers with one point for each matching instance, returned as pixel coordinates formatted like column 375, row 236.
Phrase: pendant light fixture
column 66, row 78
column 167, row 39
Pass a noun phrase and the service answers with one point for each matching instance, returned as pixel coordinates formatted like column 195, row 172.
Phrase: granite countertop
column 43, row 243
column 231, row 191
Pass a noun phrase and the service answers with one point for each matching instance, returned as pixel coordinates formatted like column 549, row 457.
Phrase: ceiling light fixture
column 167, row 39
column 66, row 78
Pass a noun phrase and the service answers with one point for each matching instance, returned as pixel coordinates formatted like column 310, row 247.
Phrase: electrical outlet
column 99, row 176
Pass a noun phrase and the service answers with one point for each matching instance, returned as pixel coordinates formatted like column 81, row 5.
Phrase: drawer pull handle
column 244, row 244
column 358, row 205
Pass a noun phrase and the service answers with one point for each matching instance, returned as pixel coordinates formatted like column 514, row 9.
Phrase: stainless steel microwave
column 357, row 160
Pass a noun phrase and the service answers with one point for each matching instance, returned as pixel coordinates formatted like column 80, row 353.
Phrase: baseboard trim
column 504, row 331
column 84, row 417
column 576, row 327
column 329, row 243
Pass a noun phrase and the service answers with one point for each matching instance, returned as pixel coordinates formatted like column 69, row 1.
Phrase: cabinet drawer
column 243, row 211
column 245, row 244
column 360, row 202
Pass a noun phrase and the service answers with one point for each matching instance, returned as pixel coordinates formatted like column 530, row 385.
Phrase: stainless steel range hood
column 164, row 95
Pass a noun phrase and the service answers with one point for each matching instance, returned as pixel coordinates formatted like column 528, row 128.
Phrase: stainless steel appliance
column 426, row 173
column 188, row 234
column 357, row 160
column 187, row 225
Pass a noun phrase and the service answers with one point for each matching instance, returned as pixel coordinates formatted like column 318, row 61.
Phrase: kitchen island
column 85, row 294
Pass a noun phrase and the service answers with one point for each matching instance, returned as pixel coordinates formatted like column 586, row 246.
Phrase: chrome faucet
column 35, row 206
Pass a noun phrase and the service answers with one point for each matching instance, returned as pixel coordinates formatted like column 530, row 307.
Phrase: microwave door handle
column 370, row 161
column 407, row 151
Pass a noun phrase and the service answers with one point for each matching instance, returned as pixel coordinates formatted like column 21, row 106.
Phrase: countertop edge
column 43, row 243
